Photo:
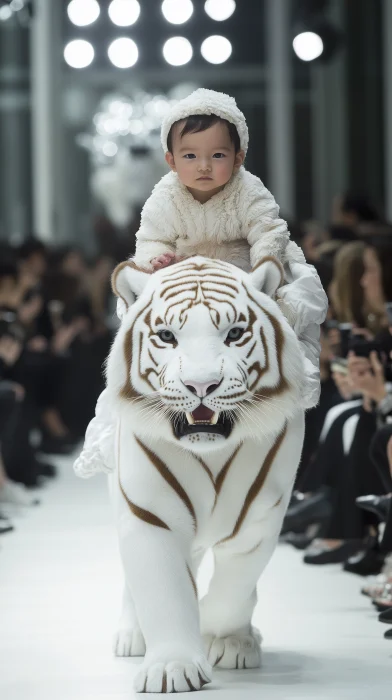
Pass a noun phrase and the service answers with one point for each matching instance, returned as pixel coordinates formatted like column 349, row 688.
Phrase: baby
column 210, row 205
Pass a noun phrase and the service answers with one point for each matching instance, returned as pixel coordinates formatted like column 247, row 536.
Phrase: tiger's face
column 202, row 356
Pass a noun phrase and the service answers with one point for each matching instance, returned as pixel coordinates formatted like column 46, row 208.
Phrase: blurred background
column 84, row 85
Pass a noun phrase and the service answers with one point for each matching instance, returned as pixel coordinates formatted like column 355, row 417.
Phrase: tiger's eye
column 166, row 336
column 235, row 334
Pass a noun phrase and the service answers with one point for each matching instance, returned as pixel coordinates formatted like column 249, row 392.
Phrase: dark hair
column 201, row 122
column 31, row 246
column 361, row 205
column 342, row 233
column 382, row 245
column 8, row 268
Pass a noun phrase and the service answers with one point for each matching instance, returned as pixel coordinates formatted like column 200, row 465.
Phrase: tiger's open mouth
column 201, row 420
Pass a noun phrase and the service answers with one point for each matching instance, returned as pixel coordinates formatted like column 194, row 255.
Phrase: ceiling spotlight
column 177, row 51
column 219, row 10
column 308, row 46
column 316, row 39
column 123, row 52
column 83, row 12
column 124, row 12
column 16, row 5
column 79, row 53
column 177, row 11
column 5, row 13
column 216, row 49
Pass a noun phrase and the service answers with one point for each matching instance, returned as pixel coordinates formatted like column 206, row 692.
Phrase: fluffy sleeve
column 157, row 232
column 98, row 453
column 266, row 233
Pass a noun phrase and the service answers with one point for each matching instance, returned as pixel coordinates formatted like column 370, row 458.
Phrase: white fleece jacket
column 240, row 225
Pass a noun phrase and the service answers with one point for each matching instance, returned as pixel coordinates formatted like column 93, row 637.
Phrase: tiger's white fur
column 175, row 497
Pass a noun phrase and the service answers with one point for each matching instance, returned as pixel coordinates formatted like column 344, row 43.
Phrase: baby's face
column 204, row 161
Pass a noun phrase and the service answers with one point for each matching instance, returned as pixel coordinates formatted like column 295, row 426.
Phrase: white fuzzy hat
column 207, row 102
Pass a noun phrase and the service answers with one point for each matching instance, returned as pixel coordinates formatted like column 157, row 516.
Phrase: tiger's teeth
column 215, row 418
column 190, row 418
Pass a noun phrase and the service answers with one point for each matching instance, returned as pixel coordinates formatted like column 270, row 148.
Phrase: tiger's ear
column 267, row 276
column 128, row 281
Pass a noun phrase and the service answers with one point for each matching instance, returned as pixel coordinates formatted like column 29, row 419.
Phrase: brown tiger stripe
column 223, row 473
column 128, row 391
column 206, row 469
column 267, row 392
column 270, row 258
column 169, row 478
column 141, row 513
column 252, row 550
column 193, row 582
column 257, row 484
column 164, row 683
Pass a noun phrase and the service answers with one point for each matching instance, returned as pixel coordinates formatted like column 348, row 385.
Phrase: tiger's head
column 202, row 356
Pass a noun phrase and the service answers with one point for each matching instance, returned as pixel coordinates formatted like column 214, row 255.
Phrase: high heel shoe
column 380, row 505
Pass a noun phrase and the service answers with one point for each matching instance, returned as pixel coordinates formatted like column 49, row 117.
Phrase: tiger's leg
column 226, row 611
column 167, row 608
column 128, row 640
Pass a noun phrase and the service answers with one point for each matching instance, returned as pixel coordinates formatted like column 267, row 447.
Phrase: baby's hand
column 163, row 261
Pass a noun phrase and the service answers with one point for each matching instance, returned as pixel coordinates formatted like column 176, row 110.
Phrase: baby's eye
column 219, row 155
column 189, row 156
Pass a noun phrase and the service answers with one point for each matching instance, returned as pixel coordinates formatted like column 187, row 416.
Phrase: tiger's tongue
column 202, row 413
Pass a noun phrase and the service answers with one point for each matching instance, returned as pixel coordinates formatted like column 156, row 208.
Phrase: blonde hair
column 346, row 290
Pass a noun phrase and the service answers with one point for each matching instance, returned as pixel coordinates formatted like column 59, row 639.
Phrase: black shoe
column 366, row 563
column 380, row 505
column 5, row 525
column 48, row 470
column 386, row 616
column 337, row 555
column 57, row 446
column 388, row 634
column 316, row 508
column 299, row 540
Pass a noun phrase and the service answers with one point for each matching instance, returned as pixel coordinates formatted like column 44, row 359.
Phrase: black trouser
column 348, row 475
column 17, row 453
column 378, row 454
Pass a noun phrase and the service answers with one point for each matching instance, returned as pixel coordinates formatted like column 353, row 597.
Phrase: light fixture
column 83, row 12
column 109, row 149
column 308, row 46
column 123, row 52
column 177, row 11
column 316, row 40
column 5, row 13
column 216, row 49
column 16, row 5
column 177, row 51
column 124, row 12
column 219, row 10
column 79, row 53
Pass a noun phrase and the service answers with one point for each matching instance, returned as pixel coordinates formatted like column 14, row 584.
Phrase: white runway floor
column 60, row 588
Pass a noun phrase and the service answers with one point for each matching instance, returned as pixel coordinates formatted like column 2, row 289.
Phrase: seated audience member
column 341, row 469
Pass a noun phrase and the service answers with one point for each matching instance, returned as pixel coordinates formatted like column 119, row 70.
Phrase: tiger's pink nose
column 201, row 389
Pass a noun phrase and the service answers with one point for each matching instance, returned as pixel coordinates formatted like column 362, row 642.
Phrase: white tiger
column 204, row 380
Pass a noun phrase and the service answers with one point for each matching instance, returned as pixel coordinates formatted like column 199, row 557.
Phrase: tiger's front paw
column 129, row 642
column 180, row 674
column 238, row 651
